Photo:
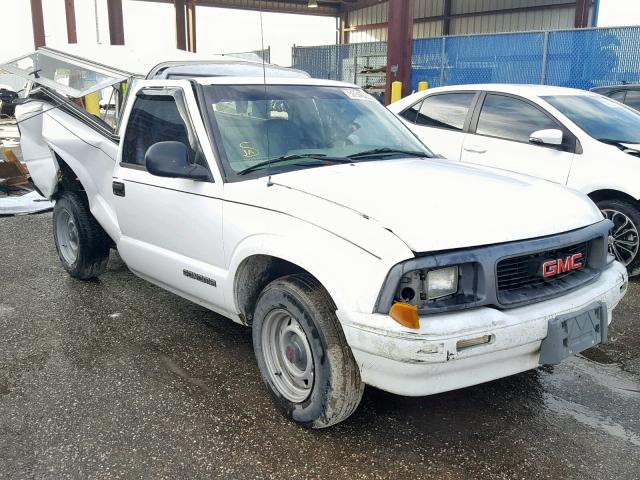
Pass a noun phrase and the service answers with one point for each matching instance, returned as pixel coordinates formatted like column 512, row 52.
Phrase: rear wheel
column 302, row 354
column 82, row 244
column 624, row 241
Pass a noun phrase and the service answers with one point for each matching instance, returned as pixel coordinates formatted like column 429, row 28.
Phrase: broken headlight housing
column 439, row 288
column 423, row 285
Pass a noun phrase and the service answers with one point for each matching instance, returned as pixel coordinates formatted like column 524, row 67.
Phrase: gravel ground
column 116, row 378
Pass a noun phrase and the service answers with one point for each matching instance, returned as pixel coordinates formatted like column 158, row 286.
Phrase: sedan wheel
column 624, row 241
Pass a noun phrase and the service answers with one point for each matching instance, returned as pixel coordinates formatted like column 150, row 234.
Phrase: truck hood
column 436, row 205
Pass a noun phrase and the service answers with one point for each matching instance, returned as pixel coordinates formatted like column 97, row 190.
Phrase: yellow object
column 92, row 103
column 405, row 314
column 423, row 86
column 396, row 91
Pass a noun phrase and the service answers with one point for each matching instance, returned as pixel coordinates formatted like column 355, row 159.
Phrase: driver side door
column 171, row 228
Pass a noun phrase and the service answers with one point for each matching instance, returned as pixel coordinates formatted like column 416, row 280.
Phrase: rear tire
column 625, row 239
column 302, row 353
column 82, row 244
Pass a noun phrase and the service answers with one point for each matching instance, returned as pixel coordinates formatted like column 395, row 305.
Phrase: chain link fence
column 582, row 58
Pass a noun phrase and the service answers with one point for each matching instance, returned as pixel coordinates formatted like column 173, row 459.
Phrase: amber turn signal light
column 405, row 314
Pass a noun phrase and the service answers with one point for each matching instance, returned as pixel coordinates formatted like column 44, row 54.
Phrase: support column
column 37, row 20
column 181, row 42
column 344, row 24
column 70, row 11
column 399, row 45
column 582, row 13
column 116, row 22
column 446, row 18
column 191, row 25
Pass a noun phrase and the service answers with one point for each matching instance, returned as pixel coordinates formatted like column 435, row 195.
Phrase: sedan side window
column 511, row 119
column 447, row 111
column 411, row 113
column 159, row 117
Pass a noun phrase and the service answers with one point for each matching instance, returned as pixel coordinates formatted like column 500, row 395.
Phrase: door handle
column 118, row 189
column 475, row 149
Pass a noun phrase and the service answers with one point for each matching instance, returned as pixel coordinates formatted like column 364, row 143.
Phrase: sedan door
column 440, row 121
column 500, row 137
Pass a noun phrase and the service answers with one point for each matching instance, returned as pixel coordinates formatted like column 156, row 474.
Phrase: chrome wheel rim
column 67, row 236
column 287, row 355
column 624, row 241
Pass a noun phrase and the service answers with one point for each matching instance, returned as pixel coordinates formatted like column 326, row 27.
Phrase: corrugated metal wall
column 554, row 18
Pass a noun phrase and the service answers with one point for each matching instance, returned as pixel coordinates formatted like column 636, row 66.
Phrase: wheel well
column 253, row 275
column 600, row 195
column 67, row 179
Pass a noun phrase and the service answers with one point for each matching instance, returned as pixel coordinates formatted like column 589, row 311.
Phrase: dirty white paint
column 334, row 223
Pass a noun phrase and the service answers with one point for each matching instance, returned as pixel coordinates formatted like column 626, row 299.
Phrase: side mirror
column 552, row 136
column 171, row 159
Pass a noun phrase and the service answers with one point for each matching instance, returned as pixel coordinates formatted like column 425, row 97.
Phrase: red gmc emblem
column 562, row 265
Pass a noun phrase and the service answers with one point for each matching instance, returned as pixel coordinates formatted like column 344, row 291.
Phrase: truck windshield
column 303, row 126
column 601, row 118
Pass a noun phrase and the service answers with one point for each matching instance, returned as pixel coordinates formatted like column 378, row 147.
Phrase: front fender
column 352, row 276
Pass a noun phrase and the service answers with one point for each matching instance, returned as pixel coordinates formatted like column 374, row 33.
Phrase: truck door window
column 447, row 111
column 511, row 119
column 159, row 118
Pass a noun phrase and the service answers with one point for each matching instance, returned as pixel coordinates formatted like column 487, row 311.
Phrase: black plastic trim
column 485, row 261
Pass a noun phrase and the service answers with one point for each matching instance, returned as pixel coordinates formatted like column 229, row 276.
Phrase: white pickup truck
column 306, row 210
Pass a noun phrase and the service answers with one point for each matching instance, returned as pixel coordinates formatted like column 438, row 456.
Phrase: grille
column 521, row 277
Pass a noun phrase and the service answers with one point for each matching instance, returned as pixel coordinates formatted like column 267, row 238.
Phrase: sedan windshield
column 287, row 127
column 603, row 119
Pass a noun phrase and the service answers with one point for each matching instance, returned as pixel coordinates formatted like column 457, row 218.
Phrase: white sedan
column 577, row 138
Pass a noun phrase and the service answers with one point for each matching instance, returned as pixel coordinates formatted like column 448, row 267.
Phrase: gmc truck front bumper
column 459, row 349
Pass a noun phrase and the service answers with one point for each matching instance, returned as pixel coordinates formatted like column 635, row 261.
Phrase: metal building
column 394, row 21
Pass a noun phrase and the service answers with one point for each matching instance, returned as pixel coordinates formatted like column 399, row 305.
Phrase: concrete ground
column 116, row 378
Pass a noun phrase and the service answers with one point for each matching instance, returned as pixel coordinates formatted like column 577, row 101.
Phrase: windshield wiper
column 389, row 151
column 297, row 156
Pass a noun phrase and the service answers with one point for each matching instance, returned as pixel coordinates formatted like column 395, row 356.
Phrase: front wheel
column 82, row 244
column 624, row 241
column 302, row 354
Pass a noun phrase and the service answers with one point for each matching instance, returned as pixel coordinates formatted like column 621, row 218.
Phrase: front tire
column 302, row 354
column 624, row 241
column 82, row 244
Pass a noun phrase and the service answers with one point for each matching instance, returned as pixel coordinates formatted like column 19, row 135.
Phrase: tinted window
column 159, row 118
column 411, row 113
column 619, row 96
column 255, row 126
column 600, row 117
column 633, row 99
column 511, row 119
column 445, row 111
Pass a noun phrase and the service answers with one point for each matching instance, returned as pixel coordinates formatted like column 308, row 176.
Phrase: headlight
column 421, row 286
column 442, row 282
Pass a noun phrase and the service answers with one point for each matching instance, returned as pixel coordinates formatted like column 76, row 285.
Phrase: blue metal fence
column 582, row 58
